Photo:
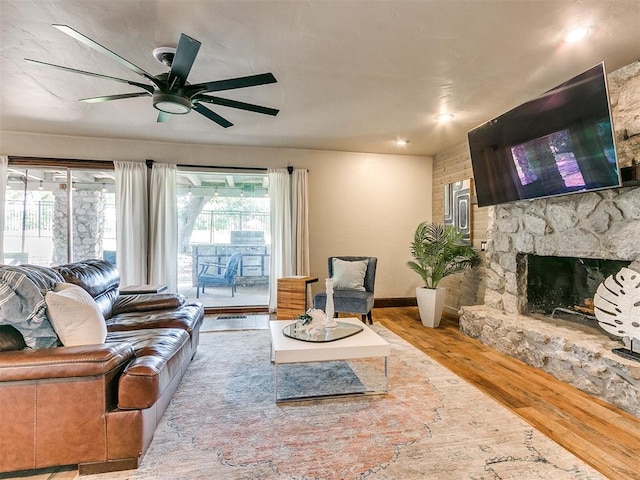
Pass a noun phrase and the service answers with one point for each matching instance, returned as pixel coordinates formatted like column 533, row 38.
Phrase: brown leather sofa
column 96, row 406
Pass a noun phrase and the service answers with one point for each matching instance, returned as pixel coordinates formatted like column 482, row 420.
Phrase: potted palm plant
column 437, row 253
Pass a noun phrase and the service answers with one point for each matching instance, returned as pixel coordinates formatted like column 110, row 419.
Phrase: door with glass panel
column 223, row 218
column 58, row 215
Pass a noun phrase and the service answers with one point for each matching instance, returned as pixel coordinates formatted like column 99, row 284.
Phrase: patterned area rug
column 223, row 424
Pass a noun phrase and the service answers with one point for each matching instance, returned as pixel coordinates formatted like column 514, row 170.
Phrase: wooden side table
column 292, row 296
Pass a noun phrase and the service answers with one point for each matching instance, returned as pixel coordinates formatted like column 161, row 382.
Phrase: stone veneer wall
column 603, row 224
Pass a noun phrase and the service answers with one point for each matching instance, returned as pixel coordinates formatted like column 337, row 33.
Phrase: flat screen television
column 559, row 143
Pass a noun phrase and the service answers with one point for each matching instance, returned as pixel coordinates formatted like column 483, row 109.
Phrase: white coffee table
column 365, row 344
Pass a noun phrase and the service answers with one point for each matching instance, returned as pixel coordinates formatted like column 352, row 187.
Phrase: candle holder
column 329, row 321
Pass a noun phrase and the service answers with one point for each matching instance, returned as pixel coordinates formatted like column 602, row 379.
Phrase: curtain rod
column 253, row 169
column 60, row 162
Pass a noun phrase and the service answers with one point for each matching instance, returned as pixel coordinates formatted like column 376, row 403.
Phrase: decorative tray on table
column 319, row 334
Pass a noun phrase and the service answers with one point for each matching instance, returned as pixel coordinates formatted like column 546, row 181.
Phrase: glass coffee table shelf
column 359, row 342
column 321, row 334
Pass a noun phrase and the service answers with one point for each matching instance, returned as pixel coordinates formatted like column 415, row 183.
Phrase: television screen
column 559, row 143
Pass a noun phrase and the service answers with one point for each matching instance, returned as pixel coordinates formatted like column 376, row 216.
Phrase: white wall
column 360, row 204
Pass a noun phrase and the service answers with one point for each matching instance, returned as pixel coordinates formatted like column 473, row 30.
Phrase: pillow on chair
column 349, row 275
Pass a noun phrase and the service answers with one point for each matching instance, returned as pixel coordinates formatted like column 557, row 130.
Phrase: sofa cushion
column 146, row 302
column 98, row 277
column 161, row 354
column 185, row 317
column 75, row 316
column 10, row 339
column 22, row 302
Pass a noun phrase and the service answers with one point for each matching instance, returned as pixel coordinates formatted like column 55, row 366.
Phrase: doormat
column 234, row 322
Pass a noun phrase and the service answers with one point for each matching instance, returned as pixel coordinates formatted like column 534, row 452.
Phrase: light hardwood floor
column 602, row 435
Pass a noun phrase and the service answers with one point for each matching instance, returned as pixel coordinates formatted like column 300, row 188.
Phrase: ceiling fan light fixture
column 171, row 93
column 171, row 103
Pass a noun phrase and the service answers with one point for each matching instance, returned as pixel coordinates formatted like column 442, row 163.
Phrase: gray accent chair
column 351, row 301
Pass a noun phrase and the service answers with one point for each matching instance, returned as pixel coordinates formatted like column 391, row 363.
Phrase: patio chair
column 219, row 275
column 355, row 299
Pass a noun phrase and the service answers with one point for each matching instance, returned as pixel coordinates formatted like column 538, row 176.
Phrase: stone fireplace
column 564, row 287
column 596, row 225
column 598, row 228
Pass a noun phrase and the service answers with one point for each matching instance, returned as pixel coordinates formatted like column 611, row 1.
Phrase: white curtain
column 131, row 224
column 300, row 222
column 4, row 164
column 163, row 226
column 289, row 227
column 281, row 255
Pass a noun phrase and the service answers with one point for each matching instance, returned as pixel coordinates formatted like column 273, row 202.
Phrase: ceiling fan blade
column 232, row 83
column 148, row 88
column 202, row 110
column 107, row 98
column 183, row 60
column 105, row 51
column 236, row 104
column 163, row 117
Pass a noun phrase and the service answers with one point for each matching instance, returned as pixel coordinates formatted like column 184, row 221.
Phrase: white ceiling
column 353, row 75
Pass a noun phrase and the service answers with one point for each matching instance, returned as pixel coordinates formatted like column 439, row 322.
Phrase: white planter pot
column 431, row 305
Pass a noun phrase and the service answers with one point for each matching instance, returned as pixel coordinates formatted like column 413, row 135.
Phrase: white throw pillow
column 75, row 316
column 349, row 275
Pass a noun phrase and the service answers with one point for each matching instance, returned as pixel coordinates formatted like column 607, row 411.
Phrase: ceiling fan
column 170, row 91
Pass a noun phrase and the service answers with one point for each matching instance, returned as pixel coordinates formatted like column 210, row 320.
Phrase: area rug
column 223, row 424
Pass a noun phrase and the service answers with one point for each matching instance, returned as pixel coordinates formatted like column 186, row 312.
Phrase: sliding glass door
column 221, row 214
column 57, row 215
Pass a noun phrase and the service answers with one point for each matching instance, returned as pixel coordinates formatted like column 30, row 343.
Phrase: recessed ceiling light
column 444, row 117
column 576, row 34
column 402, row 143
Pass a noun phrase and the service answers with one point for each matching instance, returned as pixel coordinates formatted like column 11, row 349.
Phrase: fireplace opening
column 563, row 287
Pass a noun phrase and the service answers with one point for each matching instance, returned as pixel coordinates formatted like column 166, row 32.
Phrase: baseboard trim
column 395, row 302
column 448, row 312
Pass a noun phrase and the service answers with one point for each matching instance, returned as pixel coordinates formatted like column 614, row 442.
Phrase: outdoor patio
column 246, row 295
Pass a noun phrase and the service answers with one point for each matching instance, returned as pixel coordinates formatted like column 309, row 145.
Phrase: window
column 47, row 223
